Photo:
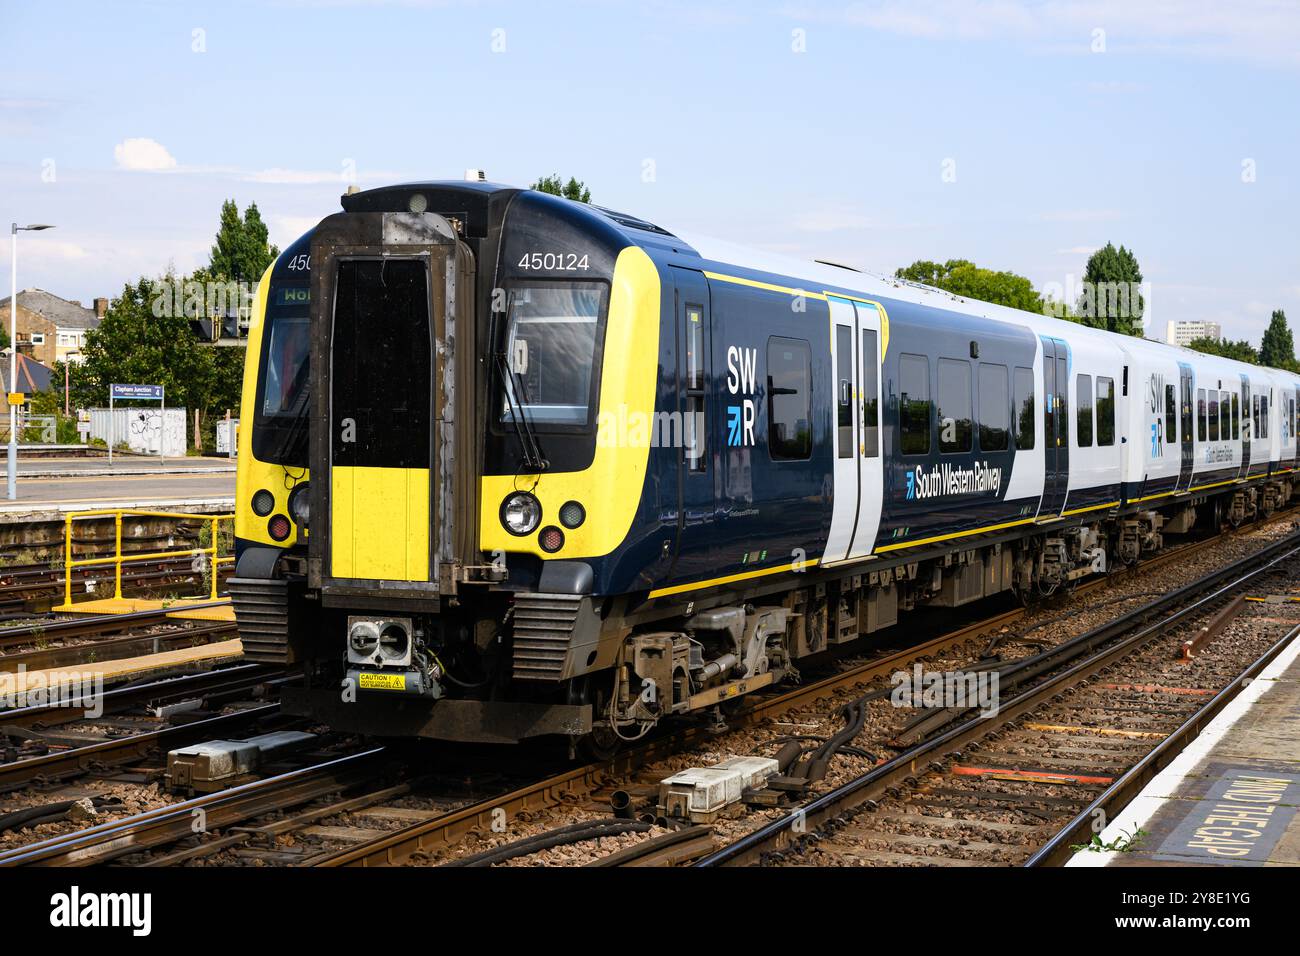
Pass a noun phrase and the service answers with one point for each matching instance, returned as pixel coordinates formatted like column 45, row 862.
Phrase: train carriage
column 520, row 466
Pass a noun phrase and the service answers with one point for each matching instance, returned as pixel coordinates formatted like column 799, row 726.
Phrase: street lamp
column 14, row 229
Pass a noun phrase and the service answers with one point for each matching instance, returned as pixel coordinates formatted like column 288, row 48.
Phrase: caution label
column 383, row 681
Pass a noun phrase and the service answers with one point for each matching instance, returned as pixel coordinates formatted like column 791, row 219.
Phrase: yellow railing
column 118, row 559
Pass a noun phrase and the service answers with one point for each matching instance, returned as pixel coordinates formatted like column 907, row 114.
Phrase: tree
column 962, row 277
column 1111, row 297
column 573, row 189
column 1240, row 350
column 1277, row 348
column 243, row 249
column 133, row 344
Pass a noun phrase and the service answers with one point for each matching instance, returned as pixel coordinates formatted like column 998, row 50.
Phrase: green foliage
column 1111, row 298
column 962, row 277
column 1125, row 842
column 50, row 402
column 4, row 329
column 1240, row 350
column 136, row 343
column 242, row 250
column 1277, row 348
column 132, row 344
column 573, row 189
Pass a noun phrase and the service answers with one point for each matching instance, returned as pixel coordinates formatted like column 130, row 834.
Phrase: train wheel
column 600, row 745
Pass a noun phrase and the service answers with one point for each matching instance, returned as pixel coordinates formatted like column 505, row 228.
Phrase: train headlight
column 521, row 513
column 300, row 505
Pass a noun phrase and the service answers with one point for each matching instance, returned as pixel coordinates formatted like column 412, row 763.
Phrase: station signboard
column 138, row 392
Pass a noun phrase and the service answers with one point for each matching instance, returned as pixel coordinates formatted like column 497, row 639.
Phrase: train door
column 847, row 474
column 872, row 326
column 696, row 471
column 1295, row 426
column 1056, row 421
column 1185, row 423
column 381, row 296
column 1245, row 427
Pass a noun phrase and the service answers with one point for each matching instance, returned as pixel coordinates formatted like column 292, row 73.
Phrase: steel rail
column 1119, row 794
column 209, row 684
column 777, row 834
column 116, row 838
column 105, row 754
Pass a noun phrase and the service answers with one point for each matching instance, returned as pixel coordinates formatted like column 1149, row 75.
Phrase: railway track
column 425, row 832
column 980, row 791
column 89, row 639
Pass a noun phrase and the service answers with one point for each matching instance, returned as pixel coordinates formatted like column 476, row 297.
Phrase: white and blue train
column 566, row 472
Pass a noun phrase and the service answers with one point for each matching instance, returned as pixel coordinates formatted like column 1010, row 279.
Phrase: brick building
column 51, row 328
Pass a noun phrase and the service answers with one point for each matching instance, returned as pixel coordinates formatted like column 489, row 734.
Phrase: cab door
column 696, row 463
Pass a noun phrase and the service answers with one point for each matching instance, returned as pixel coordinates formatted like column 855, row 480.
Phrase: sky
column 1017, row 134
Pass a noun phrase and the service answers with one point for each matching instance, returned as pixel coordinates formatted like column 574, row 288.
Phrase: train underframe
column 497, row 666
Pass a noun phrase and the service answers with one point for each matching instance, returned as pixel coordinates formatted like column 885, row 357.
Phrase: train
column 514, row 466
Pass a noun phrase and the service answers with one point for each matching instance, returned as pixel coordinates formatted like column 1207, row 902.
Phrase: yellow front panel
column 610, row 489
column 379, row 527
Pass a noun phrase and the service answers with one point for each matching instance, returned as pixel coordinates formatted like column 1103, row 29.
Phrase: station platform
column 1230, row 798
column 83, row 467
column 49, row 498
column 183, row 609
column 128, row 668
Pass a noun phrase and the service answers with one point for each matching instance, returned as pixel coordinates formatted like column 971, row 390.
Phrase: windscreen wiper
column 512, row 382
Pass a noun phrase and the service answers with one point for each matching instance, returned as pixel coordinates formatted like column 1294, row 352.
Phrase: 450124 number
column 554, row 262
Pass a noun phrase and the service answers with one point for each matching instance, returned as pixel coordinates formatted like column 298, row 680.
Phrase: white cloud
column 1077, row 251
column 143, row 154
column 285, row 229
column 46, row 250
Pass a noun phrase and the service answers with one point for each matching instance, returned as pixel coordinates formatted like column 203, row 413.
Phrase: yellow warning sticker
column 383, row 681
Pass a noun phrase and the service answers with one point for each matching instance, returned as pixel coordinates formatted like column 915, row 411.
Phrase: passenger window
column 844, row 389
column 1105, row 411
column 1200, row 415
column 1171, row 416
column 789, row 399
column 870, row 398
column 1084, row 430
column 994, row 408
column 1236, row 416
column 1263, row 416
column 1024, row 409
column 1214, row 416
column 955, row 426
column 694, row 430
column 914, row 404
